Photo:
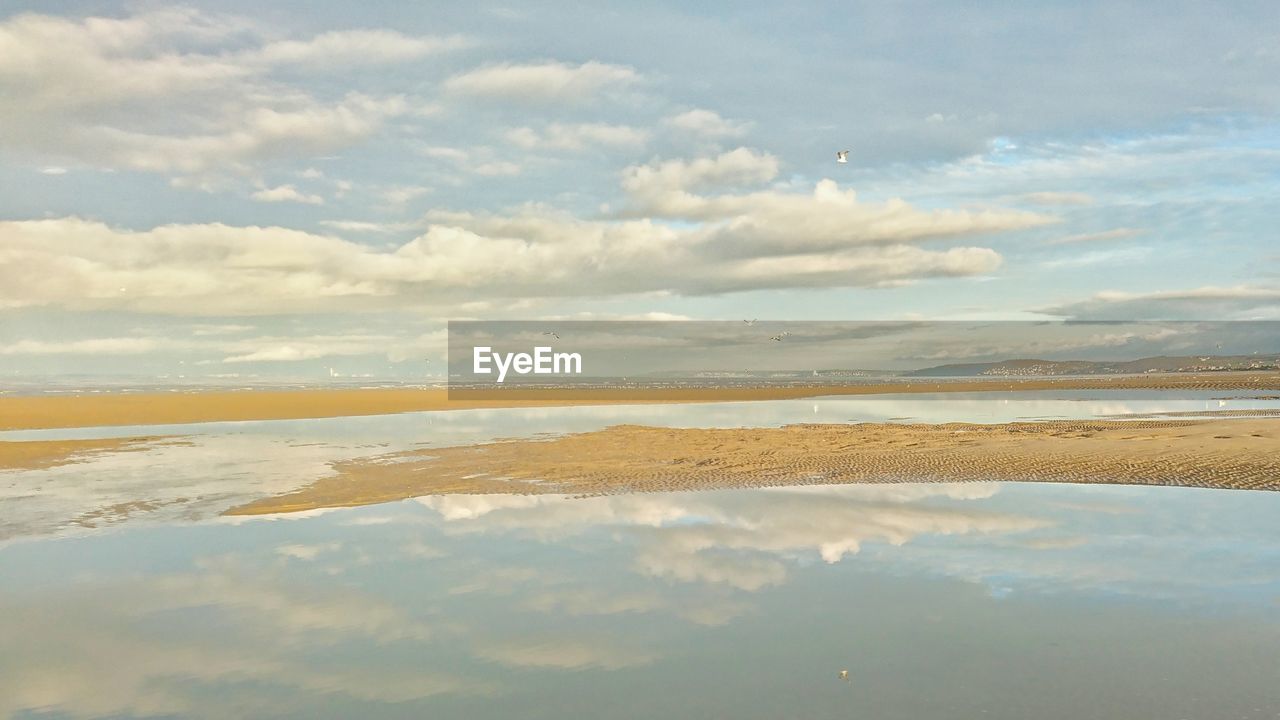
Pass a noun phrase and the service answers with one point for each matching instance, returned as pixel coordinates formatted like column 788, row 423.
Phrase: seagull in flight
column 842, row 156
column 551, row 334
column 749, row 322
column 779, row 337
column 844, row 674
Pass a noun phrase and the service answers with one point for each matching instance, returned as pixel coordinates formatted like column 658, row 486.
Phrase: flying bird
column 778, row 338
column 551, row 334
column 844, row 674
column 749, row 322
column 842, row 156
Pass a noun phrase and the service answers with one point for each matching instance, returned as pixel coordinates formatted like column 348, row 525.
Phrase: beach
column 1214, row 453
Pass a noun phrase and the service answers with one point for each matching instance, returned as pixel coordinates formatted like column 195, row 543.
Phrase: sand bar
column 1229, row 454
column 37, row 454
column 19, row 412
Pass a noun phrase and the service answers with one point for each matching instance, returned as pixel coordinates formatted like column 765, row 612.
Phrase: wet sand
column 37, row 454
column 1227, row 454
column 105, row 409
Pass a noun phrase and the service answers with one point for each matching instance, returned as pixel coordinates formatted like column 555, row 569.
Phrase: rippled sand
column 67, row 411
column 1239, row 454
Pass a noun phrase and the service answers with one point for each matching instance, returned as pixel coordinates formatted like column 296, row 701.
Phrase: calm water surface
column 981, row 600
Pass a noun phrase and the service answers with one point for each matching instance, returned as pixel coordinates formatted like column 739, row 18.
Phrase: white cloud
column 482, row 161
column 286, row 353
column 725, row 242
column 177, row 91
column 400, row 195
column 559, row 136
column 497, row 168
column 367, row 226
column 1241, row 302
column 454, row 155
column 707, row 124
column 542, row 82
column 1058, row 198
column 818, row 235
column 286, row 193
column 354, row 47
column 296, row 127
column 1116, row 234
column 88, row 346
column 223, row 340
column 223, row 329
column 661, row 187
column 1118, row 257
column 295, row 349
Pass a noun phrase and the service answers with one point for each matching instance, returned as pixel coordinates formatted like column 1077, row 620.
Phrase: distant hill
column 1161, row 364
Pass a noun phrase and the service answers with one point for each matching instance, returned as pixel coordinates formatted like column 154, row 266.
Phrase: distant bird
column 842, row 156
column 779, row 337
column 749, row 322
column 844, row 674
column 551, row 334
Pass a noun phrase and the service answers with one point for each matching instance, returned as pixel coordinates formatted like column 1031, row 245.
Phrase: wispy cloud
column 286, row 193
column 1058, row 198
column 707, row 123
column 1239, row 302
column 558, row 136
column 542, row 82
column 1103, row 236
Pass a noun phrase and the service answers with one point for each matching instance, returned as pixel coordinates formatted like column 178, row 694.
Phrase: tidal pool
column 942, row 601
column 978, row 600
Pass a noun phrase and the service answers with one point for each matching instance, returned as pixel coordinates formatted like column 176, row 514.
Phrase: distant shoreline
column 32, row 412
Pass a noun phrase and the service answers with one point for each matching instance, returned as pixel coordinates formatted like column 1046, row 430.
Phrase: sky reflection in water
column 1005, row 601
column 944, row 601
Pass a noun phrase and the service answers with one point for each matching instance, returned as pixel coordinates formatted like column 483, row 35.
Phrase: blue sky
column 235, row 189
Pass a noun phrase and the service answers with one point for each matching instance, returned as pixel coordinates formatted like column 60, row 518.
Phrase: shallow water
column 943, row 601
column 981, row 600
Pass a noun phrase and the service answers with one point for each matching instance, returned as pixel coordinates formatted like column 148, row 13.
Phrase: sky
column 295, row 190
